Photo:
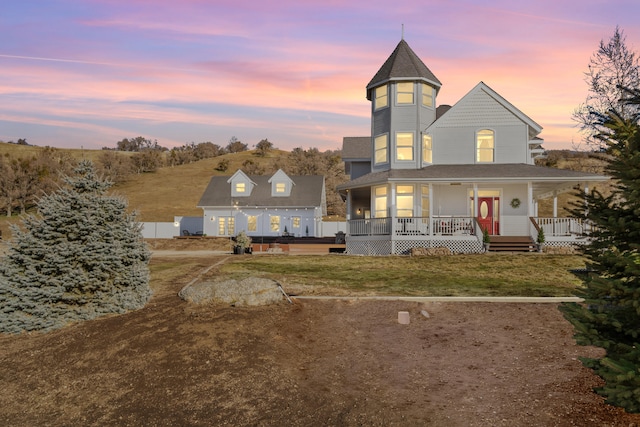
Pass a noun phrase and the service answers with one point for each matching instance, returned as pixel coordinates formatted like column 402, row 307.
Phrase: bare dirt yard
column 311, row 363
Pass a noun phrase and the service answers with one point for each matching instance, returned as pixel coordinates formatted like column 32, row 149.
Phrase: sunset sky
column 91, row 72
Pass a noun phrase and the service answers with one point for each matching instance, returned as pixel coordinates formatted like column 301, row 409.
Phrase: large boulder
column 249, row 291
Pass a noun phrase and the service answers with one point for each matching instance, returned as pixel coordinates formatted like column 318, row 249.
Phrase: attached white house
column 277, row 205
column 436, row 175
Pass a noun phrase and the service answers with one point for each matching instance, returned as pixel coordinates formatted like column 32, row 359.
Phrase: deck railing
column 410, row 226
column 562, row 227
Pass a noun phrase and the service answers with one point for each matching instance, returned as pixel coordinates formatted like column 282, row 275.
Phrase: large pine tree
column 81, row 256
column 610, row 315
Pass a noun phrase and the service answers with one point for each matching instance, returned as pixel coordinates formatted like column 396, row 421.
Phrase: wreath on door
column 515, row 203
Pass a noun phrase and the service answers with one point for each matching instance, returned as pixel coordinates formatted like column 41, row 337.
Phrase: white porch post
column 533, row 206
column 475, row 200
column 555, row 204
column 393, row 214
column 430, row 209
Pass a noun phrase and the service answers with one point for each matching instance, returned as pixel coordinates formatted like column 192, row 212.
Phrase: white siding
column 454, row 135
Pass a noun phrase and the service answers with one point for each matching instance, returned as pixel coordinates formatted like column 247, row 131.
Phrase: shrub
column 80, row 257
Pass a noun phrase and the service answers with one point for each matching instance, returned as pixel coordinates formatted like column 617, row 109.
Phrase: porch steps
column 512, row 244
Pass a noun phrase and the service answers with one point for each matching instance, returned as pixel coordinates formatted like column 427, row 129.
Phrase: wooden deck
column 300, row 248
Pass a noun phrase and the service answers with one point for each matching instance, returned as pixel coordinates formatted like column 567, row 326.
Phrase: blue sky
column 90, row 73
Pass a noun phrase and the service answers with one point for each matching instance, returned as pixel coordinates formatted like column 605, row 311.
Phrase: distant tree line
column 23, row 180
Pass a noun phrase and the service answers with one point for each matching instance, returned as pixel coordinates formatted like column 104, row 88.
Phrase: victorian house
column 434, row 175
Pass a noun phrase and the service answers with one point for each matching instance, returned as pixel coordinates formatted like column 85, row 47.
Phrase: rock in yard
column 249, row 291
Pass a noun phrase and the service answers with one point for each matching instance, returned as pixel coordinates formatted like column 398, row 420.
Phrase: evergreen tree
column 610, row 315
column 80, row 257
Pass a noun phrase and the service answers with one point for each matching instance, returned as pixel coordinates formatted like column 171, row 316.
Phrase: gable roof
column 308, row 192
column 403, row 64
column 465, row 101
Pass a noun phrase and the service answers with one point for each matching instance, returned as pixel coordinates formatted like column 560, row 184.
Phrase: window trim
column 385, row 148
column 377, row 98
column 398, row 146
column 380, row 197
column 408, row 196
column 425, row 150
column 480, row 150
column 405, row 92
column 430, row 96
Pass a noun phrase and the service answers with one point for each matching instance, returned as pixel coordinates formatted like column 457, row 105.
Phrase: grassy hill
column 172, row 191
column 157, row 196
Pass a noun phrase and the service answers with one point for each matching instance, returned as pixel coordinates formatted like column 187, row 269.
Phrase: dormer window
column 485, row 146
column 381, row 97
column 404, row 93
column 241, row 184
column 281, row 184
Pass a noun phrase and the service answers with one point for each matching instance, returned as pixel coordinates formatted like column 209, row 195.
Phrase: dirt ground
column 311, row 363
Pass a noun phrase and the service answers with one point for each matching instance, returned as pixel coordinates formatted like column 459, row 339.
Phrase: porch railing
column 412, row 226
column 562, row 227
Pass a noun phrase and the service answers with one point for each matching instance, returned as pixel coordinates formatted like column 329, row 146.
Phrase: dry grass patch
column 459, row 275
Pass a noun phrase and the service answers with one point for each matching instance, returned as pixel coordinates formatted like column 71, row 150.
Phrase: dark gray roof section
column 403, row 64
column 356, row 147
column 441, row 109
column 307, row 192
column 469, row 173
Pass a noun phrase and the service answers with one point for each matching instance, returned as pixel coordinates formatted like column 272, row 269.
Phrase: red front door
column 488, row 214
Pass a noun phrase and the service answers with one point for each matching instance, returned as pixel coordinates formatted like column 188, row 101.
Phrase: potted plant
column 307, row 231
column 243, row 242
column 540, row 239
column 486, row 239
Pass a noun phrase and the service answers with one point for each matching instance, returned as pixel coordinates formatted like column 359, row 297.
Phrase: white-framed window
column 381, row 97
column 295, row 222
column 241, row 187
column 404, row 200
column 380, row 202
column 427, row 95
column 485, row 146
column 281, row 187
column 274, row 222
column 226, row 226
column 381, row 148
column 427, row 149
column 252, row 223
column 404, row 93
column 404, row 146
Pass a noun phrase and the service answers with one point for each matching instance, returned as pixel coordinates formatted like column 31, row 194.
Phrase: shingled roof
column 494, row 172
column 403, row 64
column 307, row 192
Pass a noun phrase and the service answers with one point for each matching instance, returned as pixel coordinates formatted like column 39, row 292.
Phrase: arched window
column 485, row 146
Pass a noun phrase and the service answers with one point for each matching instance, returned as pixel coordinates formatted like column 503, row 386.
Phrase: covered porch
column 396, row 215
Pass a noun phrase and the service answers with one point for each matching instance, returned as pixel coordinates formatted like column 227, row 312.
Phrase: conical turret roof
column 403, row 64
